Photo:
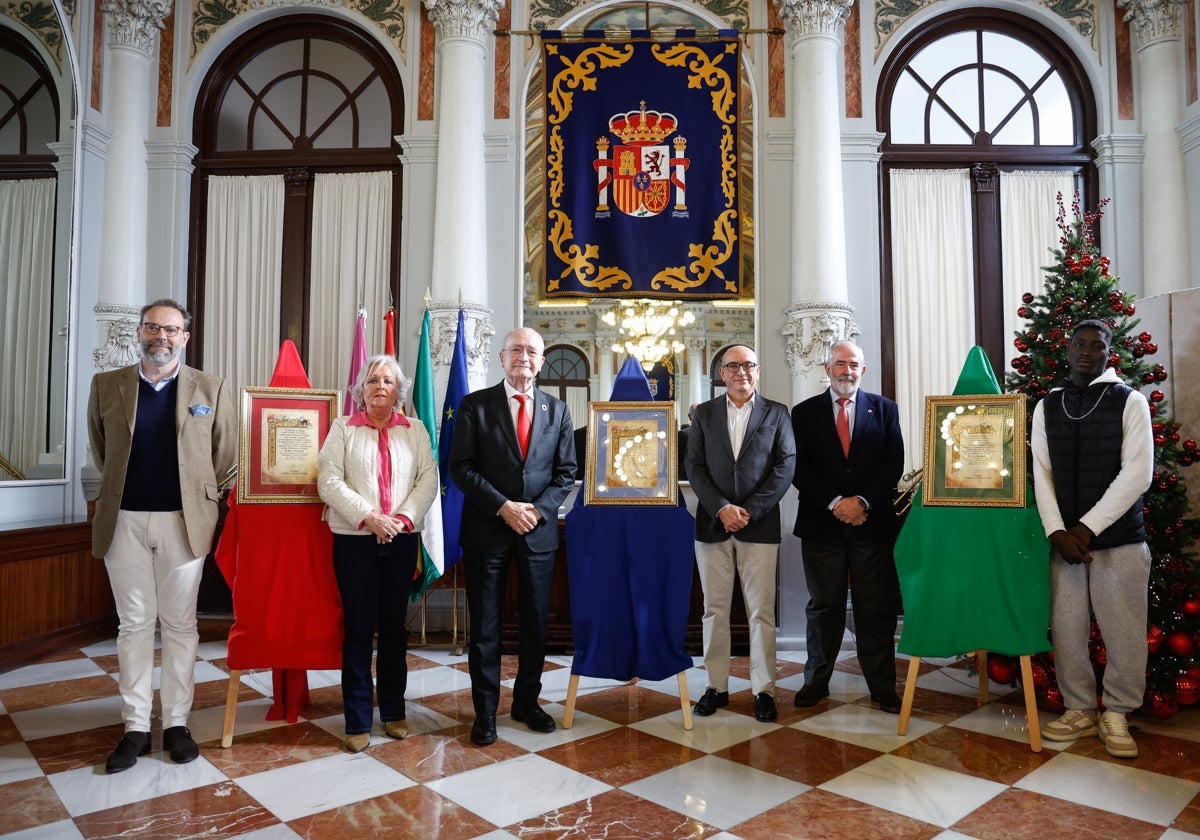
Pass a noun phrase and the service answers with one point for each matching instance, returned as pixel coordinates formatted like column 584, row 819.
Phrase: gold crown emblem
column 642, row 127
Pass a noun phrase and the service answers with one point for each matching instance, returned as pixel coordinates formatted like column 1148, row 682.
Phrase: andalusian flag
column 432, row 559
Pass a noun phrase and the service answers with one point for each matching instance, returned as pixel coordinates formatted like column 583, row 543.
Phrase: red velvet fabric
column 277, row 559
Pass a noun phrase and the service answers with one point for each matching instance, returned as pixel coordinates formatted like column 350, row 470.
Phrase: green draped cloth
column 974, row 578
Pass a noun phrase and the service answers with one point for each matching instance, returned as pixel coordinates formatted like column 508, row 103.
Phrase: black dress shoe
column 810, row 695
column 888, row 702
column 711, row 701
column 764, row 708
column 131, row 745
column 178, row 741
column 483, row 732
column 534, row 717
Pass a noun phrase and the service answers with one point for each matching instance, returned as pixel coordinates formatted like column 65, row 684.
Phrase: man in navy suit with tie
column 513, row 458
column 849, row 457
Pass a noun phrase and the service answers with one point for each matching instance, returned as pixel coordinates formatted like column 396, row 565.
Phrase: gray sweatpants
column 1113, row 586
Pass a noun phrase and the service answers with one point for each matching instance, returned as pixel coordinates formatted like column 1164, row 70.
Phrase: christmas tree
column 1079, row 286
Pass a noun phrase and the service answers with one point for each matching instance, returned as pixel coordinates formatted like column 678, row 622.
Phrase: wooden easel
column 573, row 689
column 231, row 697
column 454, row 589
column 1031, row 716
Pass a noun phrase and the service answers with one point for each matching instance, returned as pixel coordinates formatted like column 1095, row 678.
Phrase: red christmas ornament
column 1157, row 396
column 1052, row 699
column 1001, row 669
column 1041, row 678
column 1181, row 644
column 1191, row 606
column 1187, row 689
column 1160, row 705
column 1130, row 309
column 1027, row 297
column 1144, row 337
column 1189, row 445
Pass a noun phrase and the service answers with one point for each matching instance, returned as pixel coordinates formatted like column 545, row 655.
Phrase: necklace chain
column 1095, row 405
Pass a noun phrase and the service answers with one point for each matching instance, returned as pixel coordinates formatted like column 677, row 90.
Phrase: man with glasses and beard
column 848, row 462
column 739, row 461
column 162, row 435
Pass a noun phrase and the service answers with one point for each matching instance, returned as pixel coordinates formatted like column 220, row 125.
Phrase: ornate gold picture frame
column 975, row 450
column 281, row 432
column 631, row 452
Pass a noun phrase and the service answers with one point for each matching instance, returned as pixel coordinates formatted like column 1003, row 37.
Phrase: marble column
column 133, row 27
column 697, row 373
column 460, row 264
column 1165, row 258
column 820, row 311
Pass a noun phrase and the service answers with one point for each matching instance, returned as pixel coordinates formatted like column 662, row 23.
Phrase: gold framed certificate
column 631, row 452
column 975, row 450
column 281, row 433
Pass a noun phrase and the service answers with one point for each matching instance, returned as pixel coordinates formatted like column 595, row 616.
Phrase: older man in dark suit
column 740, row 461
column 849, row 459
column 513, row 457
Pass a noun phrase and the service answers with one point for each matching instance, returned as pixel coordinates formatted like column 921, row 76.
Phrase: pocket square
column 199, row 410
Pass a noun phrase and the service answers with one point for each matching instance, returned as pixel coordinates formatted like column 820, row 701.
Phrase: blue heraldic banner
column 642, row 194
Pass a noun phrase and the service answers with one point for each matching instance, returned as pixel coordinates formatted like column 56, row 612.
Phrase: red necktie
column 843, row 425
column 524, row 423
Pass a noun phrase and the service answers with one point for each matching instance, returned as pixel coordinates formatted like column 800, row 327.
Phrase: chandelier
column 647, row 329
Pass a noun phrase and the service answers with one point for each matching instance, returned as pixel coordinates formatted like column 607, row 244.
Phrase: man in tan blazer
column 162, row 435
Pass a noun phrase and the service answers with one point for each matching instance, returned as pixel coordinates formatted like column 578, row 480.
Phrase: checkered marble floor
column 626, row 768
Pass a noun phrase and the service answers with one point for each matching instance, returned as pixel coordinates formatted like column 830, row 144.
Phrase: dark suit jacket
column 207, row 447
column 755, row 480
column 486, row 464
column 823, row 472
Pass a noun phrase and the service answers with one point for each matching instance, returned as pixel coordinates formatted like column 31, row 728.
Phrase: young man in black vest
column 1093, row 458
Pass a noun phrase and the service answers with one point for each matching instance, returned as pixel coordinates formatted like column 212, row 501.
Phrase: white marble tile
column 1119, row 788
column 708, row 734
column 1004, row 720
column 1176, row 834
column 70, row 669
column 697, row 682
column 89, row 789
column 517, row 789
column 271, row 832
column 498, row 834
column 583, row 726
column 725, row 835
column 716, row 791
column 1185, row 724
column 441, row 654
column 322, row 784
column 17, row 764
column 952, row 835
column 106, row 648
column 208, row 723
column 63, row 830
column 557, row 693
column 213, row 650
column 69, row 717
column 864, row 726
column 426, row 682
column 921, row 791
column 420, row 719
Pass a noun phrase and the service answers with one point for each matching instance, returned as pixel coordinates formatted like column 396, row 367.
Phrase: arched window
column 309, row 100
column 987, row 116
column 565, row 374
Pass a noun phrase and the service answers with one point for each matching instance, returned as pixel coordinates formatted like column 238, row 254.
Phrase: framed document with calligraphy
column 281, row 432
column 631, row 452
column 975, row 450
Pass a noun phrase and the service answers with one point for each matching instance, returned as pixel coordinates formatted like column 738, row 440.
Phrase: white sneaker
column 1114, row 732
column 1072, row 726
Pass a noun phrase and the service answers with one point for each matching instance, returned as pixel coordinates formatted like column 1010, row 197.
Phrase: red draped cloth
column 277, row 559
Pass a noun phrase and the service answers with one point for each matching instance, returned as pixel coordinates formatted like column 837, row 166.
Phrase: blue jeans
column 374, row 581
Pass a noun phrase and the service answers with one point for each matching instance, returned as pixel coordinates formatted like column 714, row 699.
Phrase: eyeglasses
column 734, row 367
column 523, row 351
column 154, row 329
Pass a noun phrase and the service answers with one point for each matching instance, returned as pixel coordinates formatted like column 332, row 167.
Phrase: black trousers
column 870, row 570
column 487, row 580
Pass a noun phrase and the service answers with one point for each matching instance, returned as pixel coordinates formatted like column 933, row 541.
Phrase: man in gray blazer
column 162, row 434
column 740, row 461
column 513, row 458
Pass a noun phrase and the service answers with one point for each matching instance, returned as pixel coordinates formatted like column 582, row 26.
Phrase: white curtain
column 1028, row 212
column 577, row 401
column 242, row 278
column 26, row 283
column 934, row 290
column 351, row 257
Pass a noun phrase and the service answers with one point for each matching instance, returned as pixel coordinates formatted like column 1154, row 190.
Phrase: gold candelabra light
column 647, row 329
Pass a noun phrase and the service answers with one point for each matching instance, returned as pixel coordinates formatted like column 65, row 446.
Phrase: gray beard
column 161, row 361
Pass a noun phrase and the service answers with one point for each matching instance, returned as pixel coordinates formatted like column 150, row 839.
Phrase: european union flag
column 452, row 498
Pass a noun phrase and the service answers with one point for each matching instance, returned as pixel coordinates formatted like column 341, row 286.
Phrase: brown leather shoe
column 359, row 742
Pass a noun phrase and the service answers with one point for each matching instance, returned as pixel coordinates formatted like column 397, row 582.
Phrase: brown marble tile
column 324, row 702
column 214, row 693
column 256, row 752
column 416, row 662
column 626, row 704
column 214, row 629
column 1189, row 818
column 110, row 665
column 1156, row 753
column 613, row 815
column 800, row 756
column 939, row 707
column 1023, row 815
column 446, row 752
column 984, row 756
column 9, row 734
column 73, row 750
column 413, row 812
column 739, row 667
column 28, row 804
column 457, row 705
column 818, row 813
column 219, row 810
column 621, row 755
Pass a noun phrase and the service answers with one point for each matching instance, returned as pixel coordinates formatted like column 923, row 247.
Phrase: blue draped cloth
column 630, row 573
